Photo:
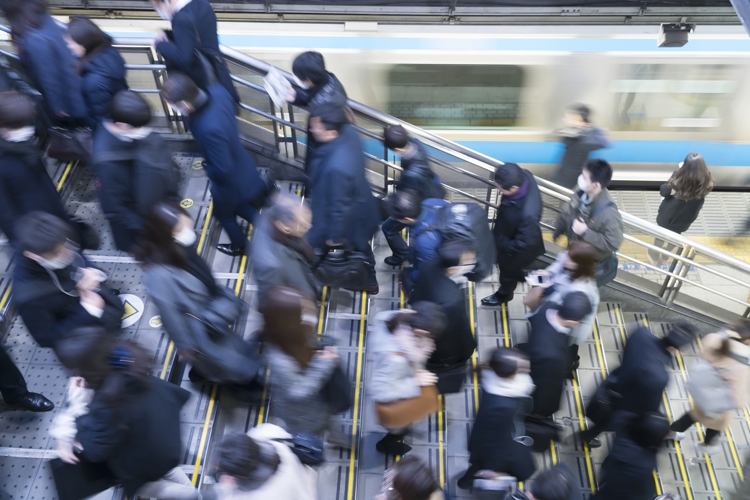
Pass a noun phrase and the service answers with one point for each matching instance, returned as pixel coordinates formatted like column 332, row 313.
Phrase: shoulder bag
column 69, row 144
column 342, row 269
column 404, row 412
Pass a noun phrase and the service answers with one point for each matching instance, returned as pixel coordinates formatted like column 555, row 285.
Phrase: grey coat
column 176, row 293
column 393, row 377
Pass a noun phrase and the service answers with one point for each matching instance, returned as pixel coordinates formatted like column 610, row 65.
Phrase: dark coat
column 628, row 472
column 50, row 314
column 133, row 176
column 103, row 77
column 518, row 235
column 677, row 215
column 577, row 150
column 232, row 171
column 418, row 176
column 457, row 344
column 25, row 186
column 343, row 207
column 139, row 439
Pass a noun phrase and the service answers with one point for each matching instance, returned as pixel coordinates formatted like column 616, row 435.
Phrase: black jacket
column 677, row 215
column 577, row 150
column 103, row 77
column 628, row 472
column 518, row 235
column 343, row 207
column 418, row 175
column 50, row 314
column 139, row 438
column 133, row 176
column 456, row 344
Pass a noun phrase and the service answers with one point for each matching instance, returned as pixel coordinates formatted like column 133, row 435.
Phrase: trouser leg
column 509, row 279
column 175, row 485
column 683, row 423
column 12, row 383
column 373, row 279
column 711, row 435
column 225, row 214
column 392, row 232
column 247, row 211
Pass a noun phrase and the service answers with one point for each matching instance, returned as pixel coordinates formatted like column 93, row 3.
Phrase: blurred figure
column 279, row 253
column 592, row 216
column 345, row 214
column 418, row 177
column 518, row 235
column 411, row 479
column 555, row 483
column 13, row 387
column 684, row 194
column 130, row 420
column 134, row 166
column 497, row 437
column 55, row 288
column 402, row 341
column 101, row 67
column 580, row 138
column 47, row 61
column 12, row 78
column 181, row 285
column 259, row 466
column 728, row 352
column 237, row 188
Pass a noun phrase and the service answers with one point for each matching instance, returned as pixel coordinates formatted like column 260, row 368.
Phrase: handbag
column 308, row 447
column 337, row 392
column 82, row 480
column 403, row 412
column 223, row 310
column 69, row 144
column 343, row 269
column 451, row 381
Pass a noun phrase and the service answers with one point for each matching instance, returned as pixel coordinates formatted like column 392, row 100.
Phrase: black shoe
column 228, row 249
column 371, row 290
column 594, row 443
column 467, row 480
column 196, row 377
column 394, row 261
column 33, row 402
column 495, row 301
column 390, row 446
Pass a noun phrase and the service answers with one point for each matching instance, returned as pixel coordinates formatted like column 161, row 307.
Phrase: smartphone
column 538, row 280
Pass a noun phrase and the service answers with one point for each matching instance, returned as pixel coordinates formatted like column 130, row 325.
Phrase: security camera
column 674, row 34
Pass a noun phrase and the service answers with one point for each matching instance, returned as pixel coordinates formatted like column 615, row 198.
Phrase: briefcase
column 81, row 480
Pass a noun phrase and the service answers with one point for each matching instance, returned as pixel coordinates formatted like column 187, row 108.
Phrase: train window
column 456, row 96
column 667, row 97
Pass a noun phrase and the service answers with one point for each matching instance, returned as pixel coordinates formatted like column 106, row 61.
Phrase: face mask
column 164, row 13
column 583, row 184
column 186, row 237
column 137, row 134
column 59, row 262
column 22, row 134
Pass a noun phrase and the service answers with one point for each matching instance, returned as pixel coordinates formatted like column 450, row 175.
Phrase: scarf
column 414, row 348
column 523, row 190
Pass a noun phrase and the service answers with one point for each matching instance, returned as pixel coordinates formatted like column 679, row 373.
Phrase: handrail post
column 276, row 127
column 293, row 131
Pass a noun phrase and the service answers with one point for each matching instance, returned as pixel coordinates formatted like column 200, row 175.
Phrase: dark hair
column 16, row 110
column 649, row 430
column 403, row 204
column 552, row 484
column 413, row 480
column 600, row 171
column 239, row 456
column 450, row 252
column 575, row 306
column 156, row 244
column 311, row 66
column 23, row 15
column 504, row 361
column 42, row 233
column 396, row 137
column 427, row 316
column 693, row 180
column 509, row 175
column 581, row 110
column 129, row 107
column 86, row 33
column 331, row 115
column 179, row 87
column 584, row 255
column 742, row 328
column 283, row 327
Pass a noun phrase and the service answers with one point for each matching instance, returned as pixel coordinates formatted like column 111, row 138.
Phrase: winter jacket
column 604, row 229
column 103, row 77
column 677, row 215
column 579, row 143
column 345, row 210
column 418, row 176
column 518, row 235
column 424, row 239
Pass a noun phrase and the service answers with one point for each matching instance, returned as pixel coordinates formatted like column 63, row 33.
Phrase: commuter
column 728, row 352
column 181, row 285
column 628, row 469
column 131, row 422
column 280, row 255
column 12, row 78
column 684, row 194
column 497, row 437
column 518, row 235
column 101, row 67
column 54, row 286
column 547, row 348
column 416, row 176
column 592, row 216
column 411, row 479
column 259, row 466
column 580, row 138
column 237, row 188
column 14, row 390
column 442, row 281
column 402, row 341
column 47, row 61
column 345, row 213
column 555, row 483
column 134, row 166
column 192, row 46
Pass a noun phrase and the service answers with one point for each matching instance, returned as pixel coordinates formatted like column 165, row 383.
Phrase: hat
column 681, row 333
column 575, row 306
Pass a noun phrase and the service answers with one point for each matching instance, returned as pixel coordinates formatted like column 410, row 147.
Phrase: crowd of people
column 120, row 416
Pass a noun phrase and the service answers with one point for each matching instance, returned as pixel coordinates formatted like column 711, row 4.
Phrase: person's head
column 239, row 458
column 326, row 121
column 289, row 216
column 681, row 334
column 693, row 180
column 288, row 318
column 23, row 15
column 577, row 115
column 129, row 111
column 575, row 306
column 167, row 236
column 404, row 206
column 739, row 331
column 310, row 68
column 649, row 430
column 457, row 256
column 84, row 37
column 16, row 112
column 580, row 263
column 509, row 178
column 551, row 484
column 46, row 239
column 596, row 175
column 506, row 363
column 180, row 92
column 413, row 480
column 165, row 8
column 426, row 319
column 397, row 139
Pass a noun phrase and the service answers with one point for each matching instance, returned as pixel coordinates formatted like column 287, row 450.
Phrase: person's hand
column 65, row 451
column 92, row 298
column 90, row 279
column 160, row 36
column 76, row 382
column 291, row 96
column 425, row 378
column 330, row 243
column 328, row 353
column 579, row 226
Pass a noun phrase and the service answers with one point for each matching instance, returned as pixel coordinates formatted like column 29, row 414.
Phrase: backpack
column 710, row 392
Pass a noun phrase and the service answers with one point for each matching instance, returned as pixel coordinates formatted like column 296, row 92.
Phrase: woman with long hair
column 411, row 479
column 101, row 67
column 684, row 194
